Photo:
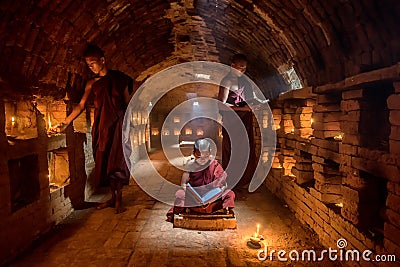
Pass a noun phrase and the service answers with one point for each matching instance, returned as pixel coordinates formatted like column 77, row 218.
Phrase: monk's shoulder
column 119, row 74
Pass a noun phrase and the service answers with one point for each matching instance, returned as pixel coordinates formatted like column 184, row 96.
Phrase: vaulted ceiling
column 41, row 42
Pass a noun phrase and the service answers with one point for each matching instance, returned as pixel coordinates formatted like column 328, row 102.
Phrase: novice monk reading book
column 204, row 187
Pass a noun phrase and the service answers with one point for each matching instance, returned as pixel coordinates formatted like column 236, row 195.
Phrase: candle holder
column 254, row 241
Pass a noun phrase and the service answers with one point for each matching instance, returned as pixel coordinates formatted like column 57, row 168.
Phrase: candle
column 13, row 129
column 258, row 230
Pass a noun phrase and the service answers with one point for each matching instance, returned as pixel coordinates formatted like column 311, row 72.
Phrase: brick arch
column 41, row 42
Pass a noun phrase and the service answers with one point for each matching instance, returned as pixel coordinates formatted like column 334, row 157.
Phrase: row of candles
column 188, row 131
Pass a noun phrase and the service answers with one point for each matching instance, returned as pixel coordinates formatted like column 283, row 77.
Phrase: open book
column 208, row 197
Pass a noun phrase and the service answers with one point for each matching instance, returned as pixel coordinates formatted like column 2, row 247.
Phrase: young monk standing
column 112, row 91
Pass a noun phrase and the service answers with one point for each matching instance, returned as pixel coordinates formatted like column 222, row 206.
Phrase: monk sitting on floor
column 205, row 174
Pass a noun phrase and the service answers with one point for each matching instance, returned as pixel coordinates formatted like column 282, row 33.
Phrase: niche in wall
column 58, row 163
column 24, row 181
column 372, row 204
column 374, row 120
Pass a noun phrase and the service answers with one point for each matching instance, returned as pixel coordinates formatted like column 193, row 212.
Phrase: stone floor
column 141, row 236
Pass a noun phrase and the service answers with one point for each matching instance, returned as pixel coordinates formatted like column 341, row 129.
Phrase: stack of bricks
column 298, row 108
column 351, row 105
column 392, row 226
column 275, row 172
column 277, row 114
column 326, row 117
column 287, row 117
column 286, row 137
column 287, row 161
column 354, row 187
column 260, row 117
column 328, row 180
column 302, row 119
column 303, row 169
column 393, row 103
column 277, row 117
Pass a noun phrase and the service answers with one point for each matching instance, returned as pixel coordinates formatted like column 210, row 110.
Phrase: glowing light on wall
column 154, row 131
column 177, row 132
column 166, row 132
column 338, row 137
column 199, row 132
column 188, row 131
column 177, row 120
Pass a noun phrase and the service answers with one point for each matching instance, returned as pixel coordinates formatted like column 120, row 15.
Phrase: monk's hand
column 59, row 128
column 223, row 187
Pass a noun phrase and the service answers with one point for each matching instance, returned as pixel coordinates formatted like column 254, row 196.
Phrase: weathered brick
column 391, row 247
column 394, row 117
column 328, row 98
column 396, row 86
column 326, row 108
column 393, row 217
column 326, row 126
column 350, row 127
column 395, row 133
column 394, row 188
column 328, row 188
column 394, row 146
column 392, row 233
column 348, row 149
column 393, row 101
column 351, row 116
column 325, row 134
column 390, row 172
column 352, row 94
column 392, row 202
column 351, row 139
column 327, row 117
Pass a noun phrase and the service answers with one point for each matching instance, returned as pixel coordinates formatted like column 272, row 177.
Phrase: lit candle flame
column 338, row 137
column 258, row 230
column 49, row 122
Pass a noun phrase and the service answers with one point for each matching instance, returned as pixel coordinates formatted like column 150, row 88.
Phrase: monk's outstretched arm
column 77, row 110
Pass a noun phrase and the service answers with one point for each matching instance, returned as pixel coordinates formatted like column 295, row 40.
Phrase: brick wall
column 343, row 180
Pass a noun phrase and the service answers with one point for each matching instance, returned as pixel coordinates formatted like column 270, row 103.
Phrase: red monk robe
column 107, row 127
column 213, row 176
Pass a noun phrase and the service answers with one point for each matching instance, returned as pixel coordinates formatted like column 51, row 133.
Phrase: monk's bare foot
column 119, row 208
column 108, row 203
